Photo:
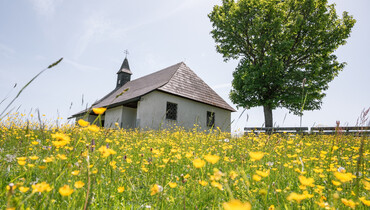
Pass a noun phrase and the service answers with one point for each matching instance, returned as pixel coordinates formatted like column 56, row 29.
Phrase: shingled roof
column 177, row 80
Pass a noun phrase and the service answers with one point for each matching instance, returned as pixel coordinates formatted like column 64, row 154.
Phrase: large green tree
column 285, row 50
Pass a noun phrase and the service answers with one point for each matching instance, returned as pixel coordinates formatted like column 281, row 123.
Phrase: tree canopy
column 285, row 50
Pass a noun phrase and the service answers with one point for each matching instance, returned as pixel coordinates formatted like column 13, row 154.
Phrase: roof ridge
column 173, row 74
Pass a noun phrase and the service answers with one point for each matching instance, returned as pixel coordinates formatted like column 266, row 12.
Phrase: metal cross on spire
column 126, row 52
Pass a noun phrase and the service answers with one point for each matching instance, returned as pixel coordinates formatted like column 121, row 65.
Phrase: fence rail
column 353, row 130
column 344, row 130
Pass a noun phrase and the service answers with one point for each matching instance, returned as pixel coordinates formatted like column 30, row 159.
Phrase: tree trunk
column 268, row 116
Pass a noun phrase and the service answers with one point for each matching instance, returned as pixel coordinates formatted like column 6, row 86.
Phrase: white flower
column 341, row 169
column 270, row 163
column 10, row 158
column 160, row 188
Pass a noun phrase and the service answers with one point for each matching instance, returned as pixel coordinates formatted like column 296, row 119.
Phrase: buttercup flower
column 106, row 151
column 236, row 205
column 256, row 178
column 212, row 158
column 41, row 187
column 198, row 163
column 23, row 189
column 349, row 203
column 121, row 189
column 297, row 197
column 262, row 173
column 343, row 177
column 83, row 123
column 65, row 190
column 203, row 183
column 218, row 185
column 364, row 201
column 99, row 110
column 61, row 139
column 256, row 155
column 156, row 189
column 79, row 184
column 75, row 173
column 306, row 181
column 172, row 184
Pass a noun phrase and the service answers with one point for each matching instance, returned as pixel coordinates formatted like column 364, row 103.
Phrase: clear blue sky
column 92, row 36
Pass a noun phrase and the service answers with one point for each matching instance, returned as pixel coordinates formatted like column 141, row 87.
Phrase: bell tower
column 124, row 73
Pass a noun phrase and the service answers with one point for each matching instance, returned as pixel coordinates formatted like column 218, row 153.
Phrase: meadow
column 84, row 166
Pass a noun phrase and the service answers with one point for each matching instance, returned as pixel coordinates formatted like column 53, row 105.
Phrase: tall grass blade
column 24, row 87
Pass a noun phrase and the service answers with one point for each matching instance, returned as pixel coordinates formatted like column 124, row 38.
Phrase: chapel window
column 210, row 119
column 171, row 111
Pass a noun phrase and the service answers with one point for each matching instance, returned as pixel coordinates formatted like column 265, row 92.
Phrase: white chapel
column 172, row 96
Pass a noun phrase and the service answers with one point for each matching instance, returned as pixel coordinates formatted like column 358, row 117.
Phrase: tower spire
column 124, row 73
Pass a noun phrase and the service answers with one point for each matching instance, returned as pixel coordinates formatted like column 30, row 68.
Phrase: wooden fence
column 347, row 130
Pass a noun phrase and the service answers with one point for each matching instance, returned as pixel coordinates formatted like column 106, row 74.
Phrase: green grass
column 140, row 161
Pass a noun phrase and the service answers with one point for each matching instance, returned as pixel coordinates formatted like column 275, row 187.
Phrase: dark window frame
column 171, row 111
column 211, row 119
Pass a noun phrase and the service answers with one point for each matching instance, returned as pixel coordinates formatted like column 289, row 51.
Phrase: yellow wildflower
column 41, row 187
column 21, row 158
column 33, row 157
column 75, row 173
column 79, row 184
column 61, row 139
column 335, row 183
column 348, row 203
column 83, row 123
column 62, row 157
column 198, row 163
column 233, row 175
column 22, row 162
column 236, row 205
column 203, row 183
column 156, row 189
column 113, row 164
column 216, row 184
column 172, row 184
column 212, row 158
column 48, row 160
column 106, row 151
column 343, row 177
column 23, row 189
column 262, row 173
column 297, row 197
column 93, row 128
column 100, row 110
column 366, row 185
column 256, row 155
column 364, row 201
column 256, row 178
column 121, row 189
column 65, row 190
column 306, row 181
